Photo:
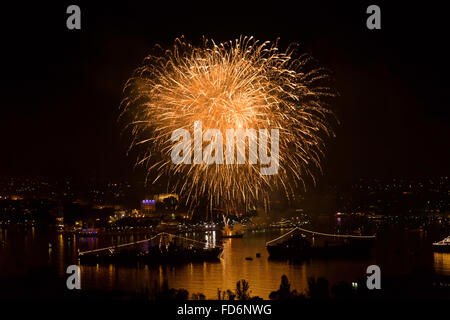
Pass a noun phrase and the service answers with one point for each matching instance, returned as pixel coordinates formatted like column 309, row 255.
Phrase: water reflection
column 60, row 255
column 210, row 239
column 442, row 263
column 263, row 275
column 397, row 253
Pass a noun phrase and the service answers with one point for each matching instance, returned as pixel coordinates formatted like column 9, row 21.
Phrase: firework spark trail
column 238, row 84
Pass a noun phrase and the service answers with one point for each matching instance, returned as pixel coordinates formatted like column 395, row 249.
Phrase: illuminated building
column 148, row 206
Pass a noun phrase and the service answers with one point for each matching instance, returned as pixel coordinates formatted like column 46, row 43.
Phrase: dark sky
column 62, row 88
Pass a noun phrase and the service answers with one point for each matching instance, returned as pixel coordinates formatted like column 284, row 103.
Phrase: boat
column 154, row 255
column 343, row 247
column 166, row 249
column 296, row 245
column 442, row 246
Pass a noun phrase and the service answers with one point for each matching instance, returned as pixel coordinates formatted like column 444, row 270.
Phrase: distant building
column 148, row 206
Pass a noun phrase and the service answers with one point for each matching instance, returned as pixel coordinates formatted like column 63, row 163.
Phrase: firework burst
column 240, row 84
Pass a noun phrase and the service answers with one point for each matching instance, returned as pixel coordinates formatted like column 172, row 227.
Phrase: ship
column 295, row 245
column 442, row 246
column 164, row 250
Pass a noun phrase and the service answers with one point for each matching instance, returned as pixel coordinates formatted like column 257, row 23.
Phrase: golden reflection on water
column 263, row 275
column 442, row 263
column 399, row 252
column 111, row 276
column 60, row 254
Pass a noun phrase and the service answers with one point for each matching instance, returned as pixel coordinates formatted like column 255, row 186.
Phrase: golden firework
column 242, row 84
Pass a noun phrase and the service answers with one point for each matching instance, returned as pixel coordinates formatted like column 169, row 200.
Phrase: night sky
column 62, row 88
